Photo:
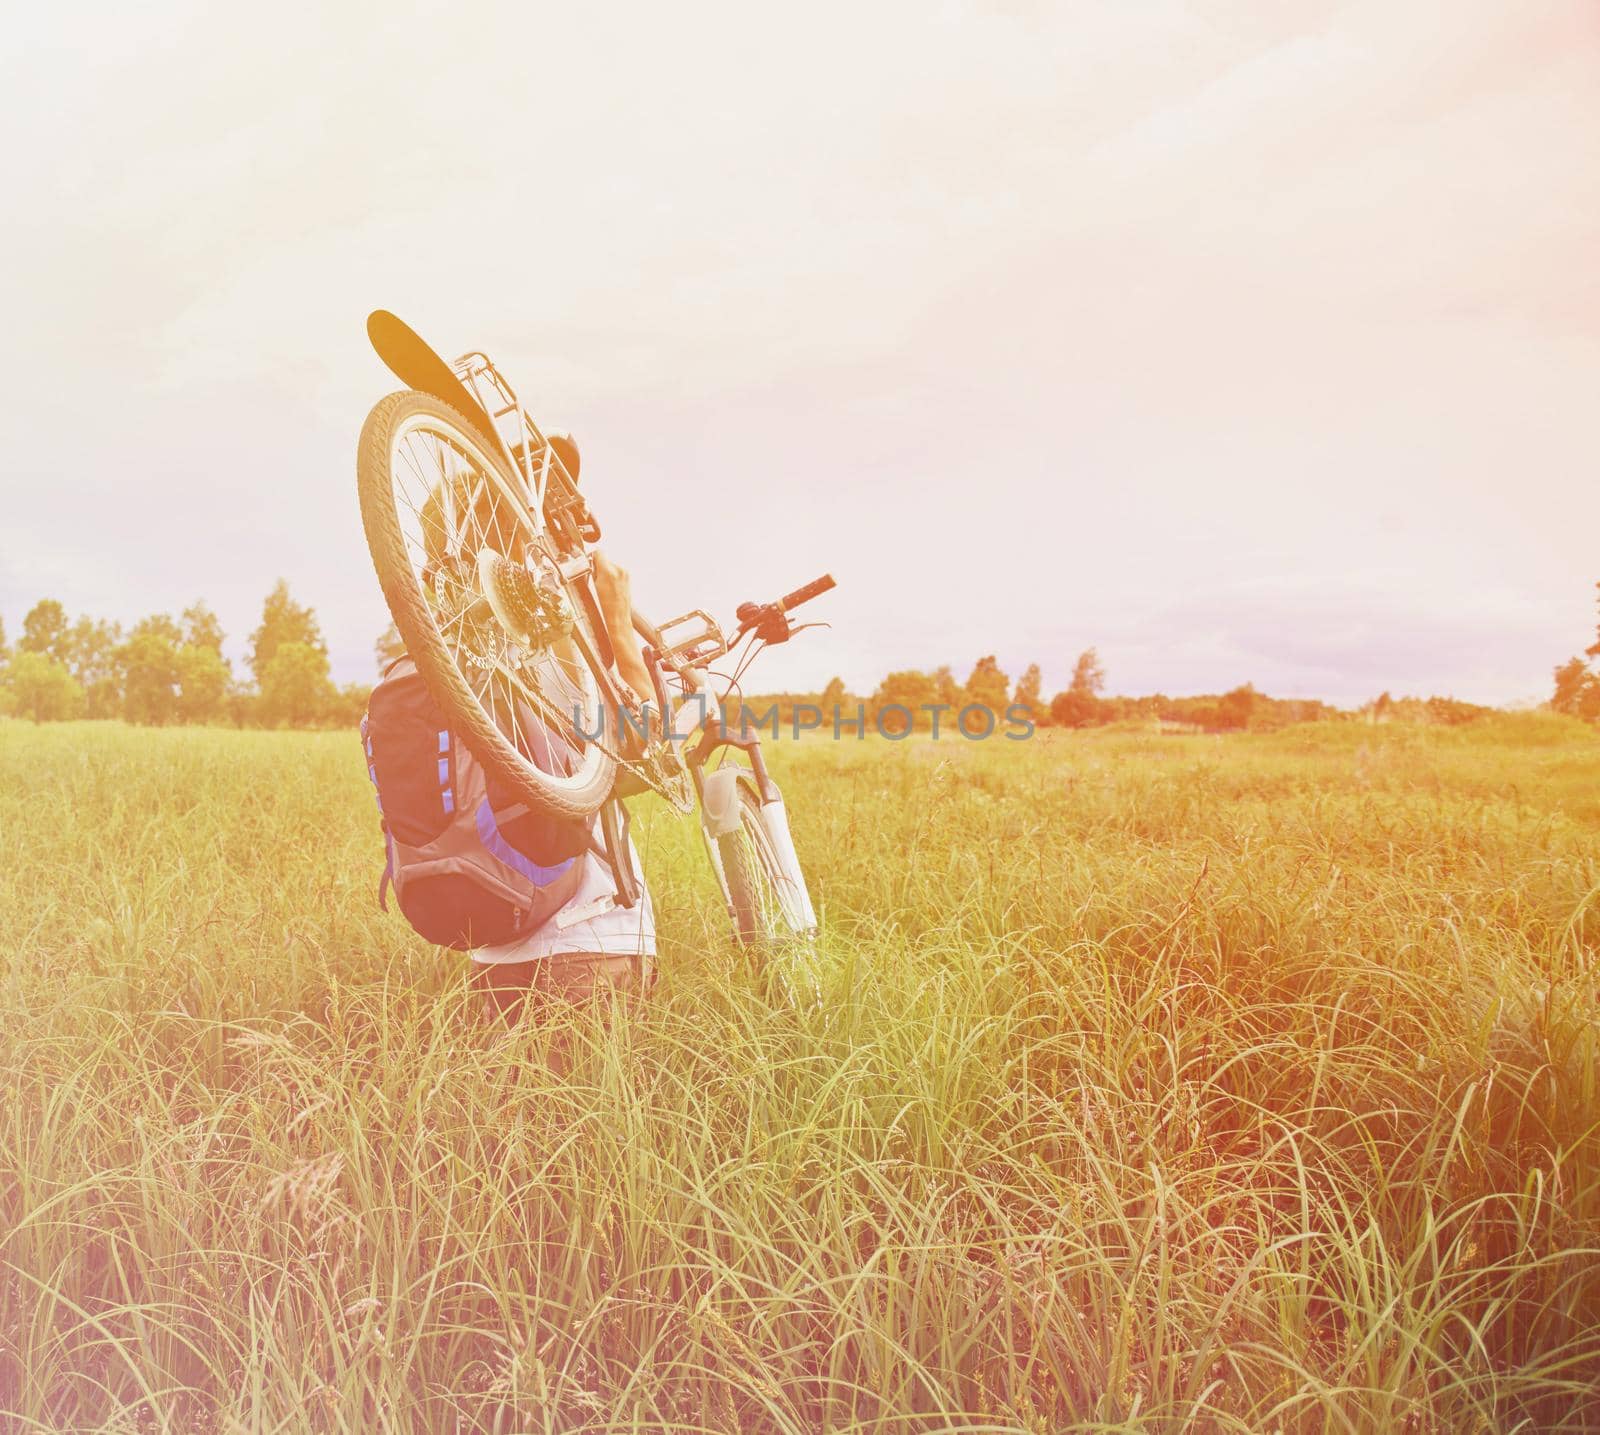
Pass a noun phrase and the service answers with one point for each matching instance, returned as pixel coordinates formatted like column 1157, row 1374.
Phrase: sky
column 1245, row 341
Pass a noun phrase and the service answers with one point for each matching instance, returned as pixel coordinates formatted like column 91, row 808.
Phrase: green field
column 1137, row 1082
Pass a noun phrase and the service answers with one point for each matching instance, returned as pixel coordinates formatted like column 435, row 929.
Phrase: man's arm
column 614, row 590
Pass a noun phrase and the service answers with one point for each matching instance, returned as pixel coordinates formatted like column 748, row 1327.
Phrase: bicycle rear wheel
column 510, row 649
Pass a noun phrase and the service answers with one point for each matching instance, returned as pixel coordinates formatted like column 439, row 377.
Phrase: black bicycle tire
column 403, row 594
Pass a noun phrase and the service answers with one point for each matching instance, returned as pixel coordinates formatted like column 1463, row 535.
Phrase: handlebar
column 807, row 593
column 769, row 621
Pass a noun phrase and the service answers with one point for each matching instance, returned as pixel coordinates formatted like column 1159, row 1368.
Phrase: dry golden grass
column 1136, row 1083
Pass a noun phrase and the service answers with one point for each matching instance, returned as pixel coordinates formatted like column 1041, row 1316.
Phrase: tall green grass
column 1136, row 1083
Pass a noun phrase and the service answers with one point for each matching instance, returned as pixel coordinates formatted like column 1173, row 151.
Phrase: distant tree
column 242, row 706
column 1070, row 709
column 4, row 650
column 1577, row 690
column 910, row 690
column 149, row 662
column 295, row 689
column 390, row 645
column 833, row 696
column 92, row 653
column 947, row 690
column 1088, row 677
column 1452, row 712
column 1027, row 693
column 988, row 686
column 347, row 704
column 44, row 629
column 908, row 687
column 1080, row 706
column 1236, row 709
column 158, row 625
column 202, row 628
column 283, row 621
column 1109, row 710
column 42, row 687
column 203, row 679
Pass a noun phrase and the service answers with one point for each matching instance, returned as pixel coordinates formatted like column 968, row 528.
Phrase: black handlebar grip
column 806, row 594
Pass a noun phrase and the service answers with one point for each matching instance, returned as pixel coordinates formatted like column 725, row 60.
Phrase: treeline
column 938, row 698
column 172, row 670
column 166, row 670
column 1083, row 703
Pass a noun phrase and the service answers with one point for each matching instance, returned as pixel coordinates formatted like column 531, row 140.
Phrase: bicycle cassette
column 537, row 615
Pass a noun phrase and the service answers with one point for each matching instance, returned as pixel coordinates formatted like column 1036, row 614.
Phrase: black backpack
column 471, row 866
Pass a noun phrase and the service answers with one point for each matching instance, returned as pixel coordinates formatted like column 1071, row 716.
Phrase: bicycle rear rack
column 554, row 491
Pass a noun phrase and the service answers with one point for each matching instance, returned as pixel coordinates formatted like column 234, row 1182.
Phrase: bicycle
column 483, row 548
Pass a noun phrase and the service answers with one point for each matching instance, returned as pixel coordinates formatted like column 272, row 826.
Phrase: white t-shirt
column 590, row 921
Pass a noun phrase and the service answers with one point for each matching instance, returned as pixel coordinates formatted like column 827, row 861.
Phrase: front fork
column 718, row 792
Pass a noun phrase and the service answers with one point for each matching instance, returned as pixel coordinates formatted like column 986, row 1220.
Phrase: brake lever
column 766, row 620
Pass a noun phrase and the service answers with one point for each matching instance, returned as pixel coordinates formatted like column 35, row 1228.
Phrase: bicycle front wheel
column 764, row 886
column 508, row 647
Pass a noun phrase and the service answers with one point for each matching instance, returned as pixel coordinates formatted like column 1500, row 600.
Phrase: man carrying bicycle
column 593, row 943
column 500, row 796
